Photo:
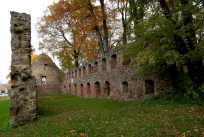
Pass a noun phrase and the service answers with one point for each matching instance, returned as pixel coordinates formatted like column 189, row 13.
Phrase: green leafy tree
column 171, row 39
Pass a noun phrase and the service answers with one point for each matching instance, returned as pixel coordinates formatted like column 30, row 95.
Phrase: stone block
column 22, row 97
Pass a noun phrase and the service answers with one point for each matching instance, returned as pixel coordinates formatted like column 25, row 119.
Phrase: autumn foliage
column 78, row 30
column 33, row 58
column 165, row 34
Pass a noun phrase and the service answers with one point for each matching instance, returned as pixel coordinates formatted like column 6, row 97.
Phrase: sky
column 33, row 7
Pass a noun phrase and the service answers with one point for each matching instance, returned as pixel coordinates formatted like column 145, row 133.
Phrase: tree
column 57, row 32
column 171, row 39
column 122, row 6
column 80, row 28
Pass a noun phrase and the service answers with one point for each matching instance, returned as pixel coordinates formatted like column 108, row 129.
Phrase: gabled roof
column 44, row 59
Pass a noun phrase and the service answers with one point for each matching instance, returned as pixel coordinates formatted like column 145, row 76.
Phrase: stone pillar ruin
column 23, row 102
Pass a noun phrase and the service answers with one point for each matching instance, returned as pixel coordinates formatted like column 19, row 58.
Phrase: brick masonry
column 110, row 77
column 23, row 103
column 48, row 75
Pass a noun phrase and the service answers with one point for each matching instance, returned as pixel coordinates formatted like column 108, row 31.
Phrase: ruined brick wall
column 45, row 69
column 23, row 104
column 110, row 77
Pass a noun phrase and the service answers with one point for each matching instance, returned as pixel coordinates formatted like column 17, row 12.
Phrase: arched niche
column 125, row 87
column 97, row 89
column 88, row 90
column 149, row 86
column 75, row 89
column 84, row 71
column 96, row 66
column 81, row 90
column 113, row 61
column 107, row 88
column 103, row 64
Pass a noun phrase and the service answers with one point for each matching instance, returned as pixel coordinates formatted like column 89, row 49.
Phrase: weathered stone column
column 23, row 102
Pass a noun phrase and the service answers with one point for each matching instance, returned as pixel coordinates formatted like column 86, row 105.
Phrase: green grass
column 68, row 115
column 4, row 111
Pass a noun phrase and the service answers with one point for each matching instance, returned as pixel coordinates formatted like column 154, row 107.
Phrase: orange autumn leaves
column 81, row 28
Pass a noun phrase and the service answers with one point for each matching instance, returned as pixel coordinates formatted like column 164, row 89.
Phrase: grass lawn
column 68, row 115
column 4, row 110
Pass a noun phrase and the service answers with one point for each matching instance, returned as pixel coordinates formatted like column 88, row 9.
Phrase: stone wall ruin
column 110, row 77
column 48, row 75
column 23, row 103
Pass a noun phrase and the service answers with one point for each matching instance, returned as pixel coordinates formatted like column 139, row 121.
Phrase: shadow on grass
column 51, row 105
column 58, row 104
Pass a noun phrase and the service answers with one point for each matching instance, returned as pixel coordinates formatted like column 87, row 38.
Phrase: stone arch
column 72, row 74
column 92, row 69
column 81, row 90
column 88, row 91
column 89, row 69
column 96, row 66
column 70, row 89
column 113, row 61
column 79, row 72
column 107, row 89
column 125, row 87
column 97, row 89
column 84, row 71
column 75, row 89
column 149, row 86
column 125, row 91
column 103, row 65
column 75, row 73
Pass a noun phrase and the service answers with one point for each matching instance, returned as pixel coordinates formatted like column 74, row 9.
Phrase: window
column 70, row 90
column 103, row 64
column 96, row 67
column 113, row 61
column 81, row 90
column 45, row 65
column 79, row 72
column 97, row 89
column 75, row 89
column 149, row 86
column 75, row 73
column 107, row 89
column 125, row 87
column 43, row 79
column 89, row 69
column 88, row 92
column 84, row 71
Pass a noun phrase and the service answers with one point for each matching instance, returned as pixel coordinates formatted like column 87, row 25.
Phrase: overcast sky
column 33, row 7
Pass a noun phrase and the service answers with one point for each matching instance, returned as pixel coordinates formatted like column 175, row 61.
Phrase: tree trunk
column 76, row 59
column 124, row 29
column 136, row 13
column 105, row 28
column 195, row 68
column 97, row 29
